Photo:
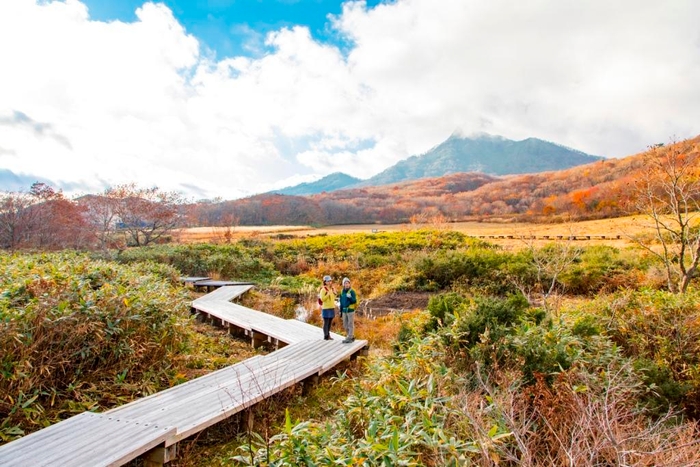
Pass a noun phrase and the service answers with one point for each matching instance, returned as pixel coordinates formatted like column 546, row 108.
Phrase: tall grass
column 78, row 333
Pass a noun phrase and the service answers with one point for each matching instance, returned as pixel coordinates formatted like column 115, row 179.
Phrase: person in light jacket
column 348, row 303
column 326, row 296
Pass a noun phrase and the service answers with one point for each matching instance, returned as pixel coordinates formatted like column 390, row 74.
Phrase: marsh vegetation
column 546, row 354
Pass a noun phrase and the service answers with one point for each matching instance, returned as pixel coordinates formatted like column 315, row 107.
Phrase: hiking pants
column 349, row 323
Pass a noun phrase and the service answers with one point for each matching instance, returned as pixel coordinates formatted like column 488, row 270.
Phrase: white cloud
column 592, row 75
column 122, row 102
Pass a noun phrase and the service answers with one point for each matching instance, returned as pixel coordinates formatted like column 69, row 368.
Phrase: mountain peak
column 479, row 152
column 331, row 182
column 485, row 153
column 478, row 135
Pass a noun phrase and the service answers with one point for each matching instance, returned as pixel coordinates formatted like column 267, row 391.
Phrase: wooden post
column 159, row 456
column 308, row 384
column 247, row 420
column 257, row 339
column 235, row 331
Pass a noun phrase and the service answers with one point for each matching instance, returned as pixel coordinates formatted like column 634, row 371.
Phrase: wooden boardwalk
column 261, row 328
column 152, row 426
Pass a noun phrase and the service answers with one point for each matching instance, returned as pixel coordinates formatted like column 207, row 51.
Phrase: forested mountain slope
column 594, row 190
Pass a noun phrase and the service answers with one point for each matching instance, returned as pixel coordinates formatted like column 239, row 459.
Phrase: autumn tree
column 100, row 212
column 668, row 193
column 224, row 232
column 17, row 219
column 144, row 215
column 58, row 221
column 40, row 218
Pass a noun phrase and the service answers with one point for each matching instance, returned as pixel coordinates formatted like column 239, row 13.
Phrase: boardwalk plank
column 199, row 387
column 237, row 315
column 80, row 441
column 226, row 293
column 273, row 369
column 190, row 280
column 171, row 408
column 286, row 366
column 181, row 391
column 305, row 331
column 248, row 397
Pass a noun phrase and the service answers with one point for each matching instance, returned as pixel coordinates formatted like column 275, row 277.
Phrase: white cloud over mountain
column 98, row 103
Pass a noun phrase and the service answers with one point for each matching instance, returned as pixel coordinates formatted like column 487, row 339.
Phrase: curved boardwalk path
column 152, row 426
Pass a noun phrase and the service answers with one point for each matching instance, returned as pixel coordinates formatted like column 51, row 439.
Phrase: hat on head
column 327, row 278
column 346, row 280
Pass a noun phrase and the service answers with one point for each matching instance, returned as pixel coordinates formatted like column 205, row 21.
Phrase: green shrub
column 404, row 336
column 468, row 268
column 376, row 246
column 663, row 328
column 402, row 414
column 495, row 316
column 77, row 333
column 373, row 260
column 508, row 333
column 442, row 309
column 548, row 348
column 598, row 268
column 244, row 261
column 295, row 284
column 662, row 391
column 586, row 326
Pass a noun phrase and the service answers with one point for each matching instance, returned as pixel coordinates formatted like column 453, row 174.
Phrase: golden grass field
column 624, row 227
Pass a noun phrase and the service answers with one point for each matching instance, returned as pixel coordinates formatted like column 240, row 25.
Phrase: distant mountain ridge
column 492, row 155
column 10, row 181
column 332, row 182
column 592, row 191
column 483, row 153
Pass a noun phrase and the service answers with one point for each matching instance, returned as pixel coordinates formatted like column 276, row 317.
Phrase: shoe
column 348, row 340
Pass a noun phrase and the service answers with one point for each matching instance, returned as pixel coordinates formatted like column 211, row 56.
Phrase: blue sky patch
column 234, row 27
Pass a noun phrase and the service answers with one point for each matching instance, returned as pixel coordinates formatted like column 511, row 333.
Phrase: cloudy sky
column 228, row 98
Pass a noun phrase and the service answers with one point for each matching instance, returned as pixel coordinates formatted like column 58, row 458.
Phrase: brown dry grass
column 624, row 227
column 221, row 234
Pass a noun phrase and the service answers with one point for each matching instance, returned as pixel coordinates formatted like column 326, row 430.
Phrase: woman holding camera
column 326, row 298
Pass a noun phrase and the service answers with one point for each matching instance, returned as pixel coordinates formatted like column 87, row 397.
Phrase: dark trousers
column 327, row 327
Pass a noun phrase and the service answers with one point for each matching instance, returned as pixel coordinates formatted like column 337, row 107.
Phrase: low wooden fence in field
column 552, row 237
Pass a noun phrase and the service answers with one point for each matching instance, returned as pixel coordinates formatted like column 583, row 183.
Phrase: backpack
column 357, row 299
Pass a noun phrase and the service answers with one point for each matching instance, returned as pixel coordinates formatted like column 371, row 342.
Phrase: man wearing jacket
column 348, row 303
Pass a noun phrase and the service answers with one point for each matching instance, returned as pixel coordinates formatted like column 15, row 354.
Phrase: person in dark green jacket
column 348, row 303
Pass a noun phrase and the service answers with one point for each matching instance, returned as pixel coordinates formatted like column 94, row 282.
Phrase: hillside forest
column 129, row 215
column 547, row 354
column 592, row 191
